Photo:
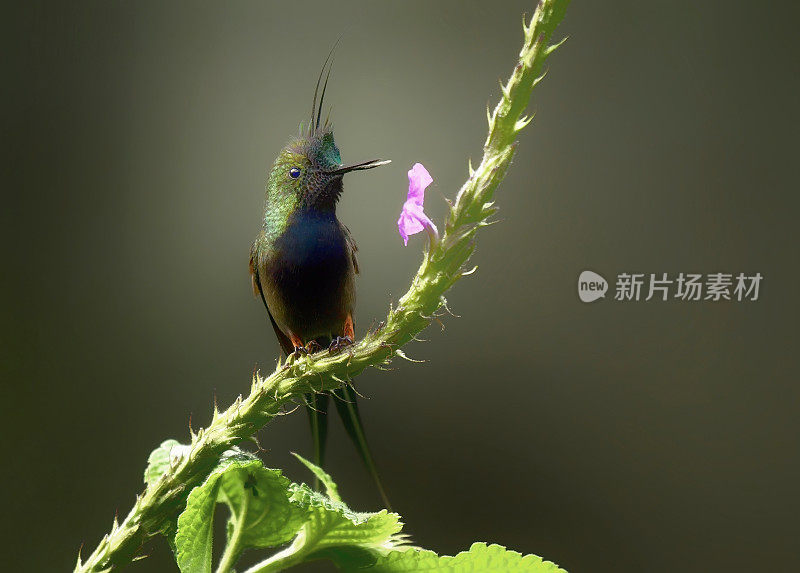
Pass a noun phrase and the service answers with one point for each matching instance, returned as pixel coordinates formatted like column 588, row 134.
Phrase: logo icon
column 591, row 286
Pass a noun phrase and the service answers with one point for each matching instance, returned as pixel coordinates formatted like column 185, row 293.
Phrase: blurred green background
column 654, row 437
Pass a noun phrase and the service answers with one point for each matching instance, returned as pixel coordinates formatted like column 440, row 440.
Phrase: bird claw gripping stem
column 339, row 343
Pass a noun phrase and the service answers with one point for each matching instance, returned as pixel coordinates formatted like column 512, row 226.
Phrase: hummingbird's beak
column 359, row 166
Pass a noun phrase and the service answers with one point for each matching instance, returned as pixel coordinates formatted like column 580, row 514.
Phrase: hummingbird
column 303, row 264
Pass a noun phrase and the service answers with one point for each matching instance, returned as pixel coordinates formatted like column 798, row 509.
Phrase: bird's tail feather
column 347, row 406
column 317, row 408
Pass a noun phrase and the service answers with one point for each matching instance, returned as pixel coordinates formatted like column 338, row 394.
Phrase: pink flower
column 412, row 218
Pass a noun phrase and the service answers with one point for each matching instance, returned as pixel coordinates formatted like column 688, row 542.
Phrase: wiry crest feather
column 316, row 111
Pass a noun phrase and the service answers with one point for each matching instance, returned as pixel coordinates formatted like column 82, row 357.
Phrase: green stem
column 233, row 549
column 292, row 555
column 441, row 267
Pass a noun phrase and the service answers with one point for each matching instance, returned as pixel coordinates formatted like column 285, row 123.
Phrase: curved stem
column 232, row 549
column 278, row 562
column 441, row 267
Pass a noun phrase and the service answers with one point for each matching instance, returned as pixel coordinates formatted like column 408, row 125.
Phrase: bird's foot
column 339, row 343
column 299, row 352
column 313, row 347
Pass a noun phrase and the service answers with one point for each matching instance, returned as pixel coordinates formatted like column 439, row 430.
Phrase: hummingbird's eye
column 294, row 172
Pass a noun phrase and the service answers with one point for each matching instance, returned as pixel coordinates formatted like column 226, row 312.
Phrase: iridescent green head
column 308, row 171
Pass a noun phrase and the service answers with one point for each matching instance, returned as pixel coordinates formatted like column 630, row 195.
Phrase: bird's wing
column 258, row 290
column 316, row 404
column 351, row 242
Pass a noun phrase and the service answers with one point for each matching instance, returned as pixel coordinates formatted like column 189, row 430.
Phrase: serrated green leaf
column 268, row 511
column 262, row 514
column 480, row 558
column 271, row 519
column 494, row 557
column 158, row 461
column 409, row 559
column 322, row 476
column 334, row 531
column 193, row 541
column 331, row 523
